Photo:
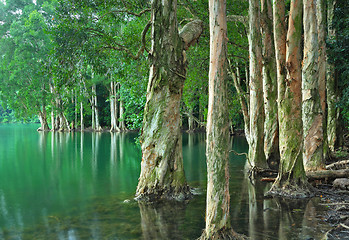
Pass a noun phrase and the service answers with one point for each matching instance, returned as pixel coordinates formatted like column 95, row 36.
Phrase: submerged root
column 226, row 234
column 157, row 193
column 291, row 191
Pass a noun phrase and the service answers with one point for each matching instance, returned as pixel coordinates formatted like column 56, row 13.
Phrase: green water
column 81, row 186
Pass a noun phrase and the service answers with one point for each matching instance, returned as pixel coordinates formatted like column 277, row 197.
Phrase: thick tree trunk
column 322, row 23
column 162, row 174
column 43, row 120
column 332, row 88
column 217, row 130
column 113, row 108
column 291, row 180
column 256, row 146
column 311, row 108
column 271, row 134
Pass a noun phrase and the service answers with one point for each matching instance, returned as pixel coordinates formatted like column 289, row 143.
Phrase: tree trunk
column 322, row 23
column 43, row 120
column 190, row 121
column 291, row 180
column 332, row 88
column 122, row 125
column 256, row 146
column 98, row 127
column 311, row 108
column 271, row 135
column 162, row 174
column 64, row 124
column 82, row 126
column 217, row 129
column 113, row 108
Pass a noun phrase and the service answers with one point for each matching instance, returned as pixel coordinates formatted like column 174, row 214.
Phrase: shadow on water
column 81, row 186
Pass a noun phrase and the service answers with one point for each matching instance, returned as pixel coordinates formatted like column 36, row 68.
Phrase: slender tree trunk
column 53, row 122
column 256, row 146
column 322, row 23
column 97, row 127
column 332, row 88
column 122, row 124
column 217, row 130
column 271, row 134
column 311, row 108
column 113, row 108
column 291, row 180
column 162, row 174
column 82, row 126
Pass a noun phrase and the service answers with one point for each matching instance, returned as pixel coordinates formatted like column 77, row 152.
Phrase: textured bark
column 162, row 174
column 328, row 174
column 63, row 123
column 113, row 108
column 271, row 135
column 291, row 180
column 332, row 88
column 311, row 109
column 217, row 130
column 122, row 125
column 256, row 145
column 322, row 23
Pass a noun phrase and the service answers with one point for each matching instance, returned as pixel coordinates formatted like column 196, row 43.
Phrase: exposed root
column 226, row 234
column 158, row 194
column 291, row 191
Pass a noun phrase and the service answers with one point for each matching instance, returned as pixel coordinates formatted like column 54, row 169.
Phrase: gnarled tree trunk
column 311, row 108
column 162, row 174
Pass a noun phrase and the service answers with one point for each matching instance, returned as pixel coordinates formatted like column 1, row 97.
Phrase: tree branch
column 238, row 18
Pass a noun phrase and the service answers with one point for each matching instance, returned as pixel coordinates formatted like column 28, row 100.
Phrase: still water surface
column 74, row 186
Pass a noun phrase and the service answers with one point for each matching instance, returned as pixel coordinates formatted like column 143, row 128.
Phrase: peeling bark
column 291, row 180
column 256, row 145
column 162, row 174
column 217, row 130
column 311, row 108
column 271, row 134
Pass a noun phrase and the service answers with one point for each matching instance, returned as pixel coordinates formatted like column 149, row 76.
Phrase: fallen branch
column 338, row 165
column 345, row 226
column 322, row 174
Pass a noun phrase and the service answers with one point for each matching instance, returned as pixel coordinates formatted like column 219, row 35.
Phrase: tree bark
column 122, row 124
column 97, row 126
column 311, row 108
column 328, row 174
column 82, row 126
column 332, row 88
column 217, row 130
column 256, row 146
column 43, row 120
column 322, row 23
column 162, row 174
column 271, row 135
column 291, row 180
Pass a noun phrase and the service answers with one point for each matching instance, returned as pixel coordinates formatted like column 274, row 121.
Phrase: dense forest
column 278, row 70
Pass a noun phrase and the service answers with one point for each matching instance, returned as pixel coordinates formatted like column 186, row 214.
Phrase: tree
column 162, row 173
column 311, row 109
column 217, row 145
column 291, row 180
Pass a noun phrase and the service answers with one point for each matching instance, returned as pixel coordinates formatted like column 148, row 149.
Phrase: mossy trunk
column 291, row 180
column 332, row 88
column 162, row 174
column 311, row 109
column 271, row 134
column 256, row 144
column 217, row 130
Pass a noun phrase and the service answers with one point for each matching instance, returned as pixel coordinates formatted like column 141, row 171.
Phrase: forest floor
column 336, row 198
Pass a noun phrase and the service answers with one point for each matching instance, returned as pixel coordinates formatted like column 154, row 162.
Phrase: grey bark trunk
column 256, row 146
column 97, row 126
column 82, row 125
column 122, row 124
column 43, row 120
column 311, row 109
column 113, row 108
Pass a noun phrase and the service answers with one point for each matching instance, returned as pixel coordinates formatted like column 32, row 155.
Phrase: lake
column 81, row 186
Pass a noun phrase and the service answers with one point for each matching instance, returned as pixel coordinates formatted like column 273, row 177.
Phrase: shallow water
column 81, row 186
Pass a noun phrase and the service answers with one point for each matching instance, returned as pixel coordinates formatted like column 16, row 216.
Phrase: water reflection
column 161, row 221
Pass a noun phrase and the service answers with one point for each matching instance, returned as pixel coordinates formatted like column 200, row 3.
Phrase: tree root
column 226, row 234
column 170, row 193
column 291, row 191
